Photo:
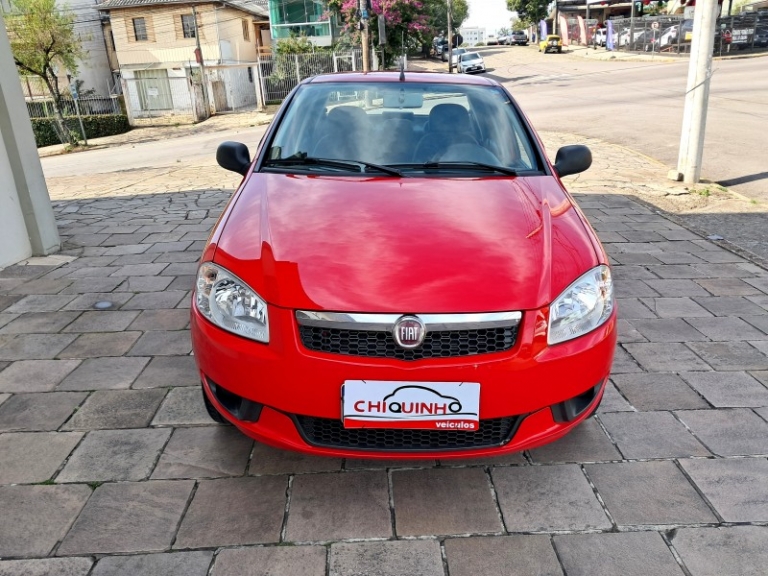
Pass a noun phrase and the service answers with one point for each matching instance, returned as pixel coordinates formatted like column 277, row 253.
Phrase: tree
column 529, row 12
column 438, row 14
column 43, row 43
column 407, row 23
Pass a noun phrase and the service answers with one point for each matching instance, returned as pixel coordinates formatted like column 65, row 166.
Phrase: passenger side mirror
column 233, row 156
column 572, row 160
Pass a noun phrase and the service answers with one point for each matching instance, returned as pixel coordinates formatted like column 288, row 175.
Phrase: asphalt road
column 640, row 105
column 635, row 104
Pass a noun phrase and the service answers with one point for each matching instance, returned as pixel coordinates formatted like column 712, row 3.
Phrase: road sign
column 655, row 25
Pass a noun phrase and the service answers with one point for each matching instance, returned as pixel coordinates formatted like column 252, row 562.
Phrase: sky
column 488, row 14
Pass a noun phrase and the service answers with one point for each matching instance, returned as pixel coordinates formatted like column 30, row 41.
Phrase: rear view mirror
column 233, row 156
column 572, row 160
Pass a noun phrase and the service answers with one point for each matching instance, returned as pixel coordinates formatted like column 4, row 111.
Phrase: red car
column 401, row 274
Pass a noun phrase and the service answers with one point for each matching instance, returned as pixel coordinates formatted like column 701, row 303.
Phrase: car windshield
column 418, row 127
column 471, row 56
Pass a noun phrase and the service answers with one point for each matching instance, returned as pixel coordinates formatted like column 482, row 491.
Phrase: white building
column 473, row 35
column 94, row 70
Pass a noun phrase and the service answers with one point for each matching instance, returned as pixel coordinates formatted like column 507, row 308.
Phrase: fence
column 162, row 96
column 281, row 73
column 89, row 106
column 670, row 34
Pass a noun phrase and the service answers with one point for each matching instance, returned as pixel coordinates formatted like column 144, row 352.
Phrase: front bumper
column 290, row 382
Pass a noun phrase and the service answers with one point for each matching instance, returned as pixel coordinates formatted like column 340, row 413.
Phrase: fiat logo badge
column 409, row 332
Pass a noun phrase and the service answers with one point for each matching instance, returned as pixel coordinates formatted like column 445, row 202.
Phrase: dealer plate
column 418, row 405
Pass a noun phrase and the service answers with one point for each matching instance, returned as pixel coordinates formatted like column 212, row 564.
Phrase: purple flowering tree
column 407, row 23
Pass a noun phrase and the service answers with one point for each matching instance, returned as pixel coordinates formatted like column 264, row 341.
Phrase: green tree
column 44, row 43
column 529, row 12
column 438, row 14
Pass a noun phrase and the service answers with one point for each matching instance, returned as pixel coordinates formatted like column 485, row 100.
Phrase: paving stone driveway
column 110, row 466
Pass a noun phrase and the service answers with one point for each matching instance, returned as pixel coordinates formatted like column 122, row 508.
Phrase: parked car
column 761, row 38
column 552, row 43
column 455, row 53
column 492, row 40
column 470, row 62
column 624, row 36
column 331, row 314
column 440, row 46
column 503, row 40
column 600, row 37
column 519, row 37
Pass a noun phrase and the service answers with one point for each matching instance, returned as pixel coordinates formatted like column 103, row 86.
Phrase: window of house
column 188, row 25
column 246, row 30
column 140, row 29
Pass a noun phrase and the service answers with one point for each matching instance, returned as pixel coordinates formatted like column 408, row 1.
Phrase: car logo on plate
column 409, row 332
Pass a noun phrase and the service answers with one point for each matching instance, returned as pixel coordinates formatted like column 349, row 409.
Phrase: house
column 180, row 60
column 310, row 18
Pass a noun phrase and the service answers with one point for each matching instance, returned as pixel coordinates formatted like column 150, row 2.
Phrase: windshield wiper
column 360, row 165
column 467, row 165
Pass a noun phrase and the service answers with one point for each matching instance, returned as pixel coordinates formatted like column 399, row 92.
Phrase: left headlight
column 582, row 307
column 230, row 303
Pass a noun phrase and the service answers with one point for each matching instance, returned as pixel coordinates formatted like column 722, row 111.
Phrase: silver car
column 470, row 62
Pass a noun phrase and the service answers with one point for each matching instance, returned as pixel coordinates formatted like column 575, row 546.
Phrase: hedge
column 95, row 127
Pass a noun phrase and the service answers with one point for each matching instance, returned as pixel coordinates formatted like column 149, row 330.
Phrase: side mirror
column 233, row 156
column 572, row 160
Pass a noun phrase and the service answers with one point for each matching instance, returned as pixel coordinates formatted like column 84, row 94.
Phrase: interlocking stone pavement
column 106, row 406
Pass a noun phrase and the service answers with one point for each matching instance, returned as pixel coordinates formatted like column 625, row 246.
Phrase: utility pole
column 201, row 62
column 450, row 36
column 697, row 93
column 364, row 35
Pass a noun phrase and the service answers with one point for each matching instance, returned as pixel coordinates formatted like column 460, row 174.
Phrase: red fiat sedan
column 401, row 274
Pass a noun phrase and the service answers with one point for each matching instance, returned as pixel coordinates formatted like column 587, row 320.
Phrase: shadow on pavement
column 744, row 179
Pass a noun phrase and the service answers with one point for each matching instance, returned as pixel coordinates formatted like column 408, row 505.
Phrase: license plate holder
column 411, row 405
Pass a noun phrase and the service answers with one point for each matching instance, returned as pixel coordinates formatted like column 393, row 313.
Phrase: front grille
column 380, row 344
column 326, row 432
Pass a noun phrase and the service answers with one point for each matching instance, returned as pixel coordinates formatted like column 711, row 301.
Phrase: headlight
column 582, row 307
column 229, row 303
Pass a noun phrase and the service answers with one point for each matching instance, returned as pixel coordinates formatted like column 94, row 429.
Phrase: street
column 635, row 104
column 640, row 106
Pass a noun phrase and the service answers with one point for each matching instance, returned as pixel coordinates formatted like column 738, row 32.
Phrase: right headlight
column 583, row 306
column 230, row 303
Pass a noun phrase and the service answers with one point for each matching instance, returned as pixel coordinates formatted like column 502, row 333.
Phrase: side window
column 140, row 30
column 188, row 25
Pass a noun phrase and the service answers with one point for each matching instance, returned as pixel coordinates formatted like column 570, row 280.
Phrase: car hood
column 405, row 245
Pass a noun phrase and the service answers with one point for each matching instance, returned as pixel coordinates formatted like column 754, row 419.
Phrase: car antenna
column 402, row 69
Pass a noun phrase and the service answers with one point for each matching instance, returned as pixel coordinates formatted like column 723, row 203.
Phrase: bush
column 479, row 44
column 95, row 127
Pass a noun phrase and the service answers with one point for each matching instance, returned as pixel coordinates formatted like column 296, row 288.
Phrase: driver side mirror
column 233, row 156
column 572, row 160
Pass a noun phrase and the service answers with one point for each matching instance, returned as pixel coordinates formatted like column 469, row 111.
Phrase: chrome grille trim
column 386, row 322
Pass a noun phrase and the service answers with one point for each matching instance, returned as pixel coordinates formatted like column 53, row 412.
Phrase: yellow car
column 552, row 43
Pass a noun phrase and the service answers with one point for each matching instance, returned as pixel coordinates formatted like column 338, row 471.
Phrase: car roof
column 410, row 76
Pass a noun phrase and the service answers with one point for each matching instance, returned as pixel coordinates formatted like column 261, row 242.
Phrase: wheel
column 211, row 409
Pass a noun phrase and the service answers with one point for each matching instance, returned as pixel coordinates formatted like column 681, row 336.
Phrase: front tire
column 211, row 409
